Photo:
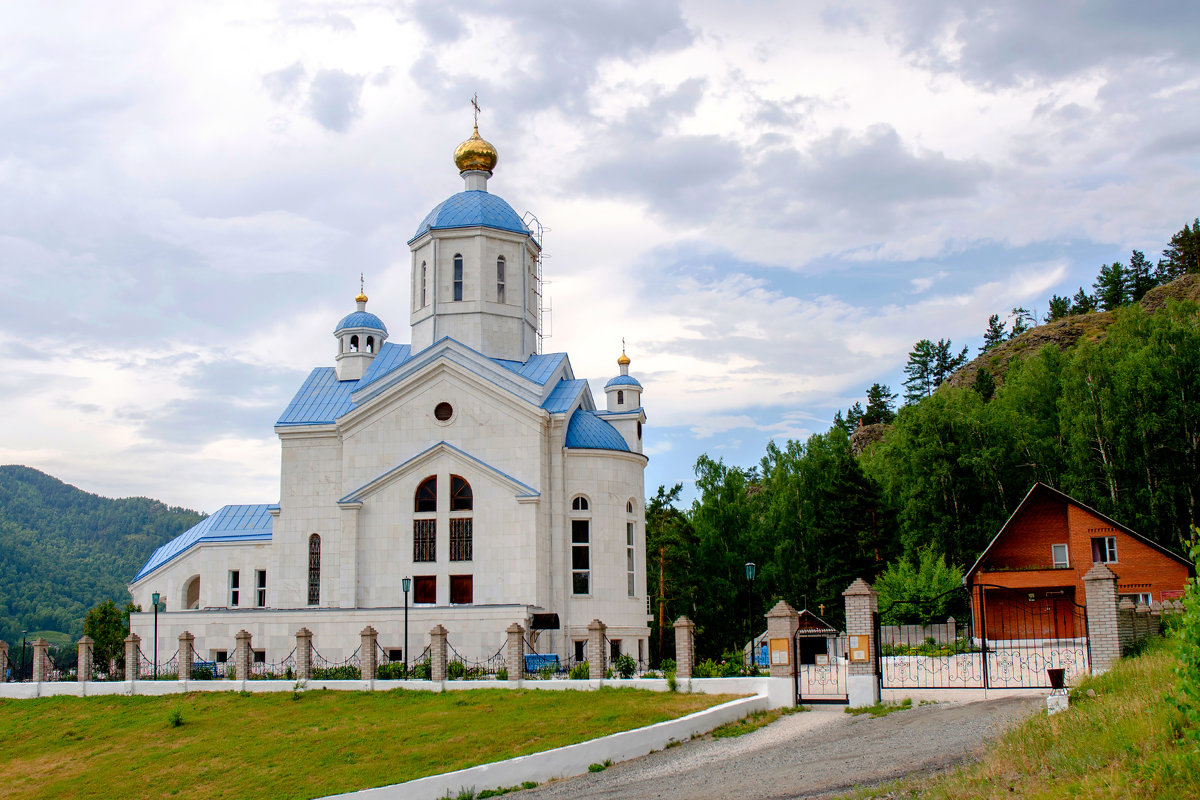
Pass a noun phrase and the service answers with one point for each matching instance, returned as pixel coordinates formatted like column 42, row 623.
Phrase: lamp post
column 21, row 666
column 406, row 584
column 750, row 570
column 154, row 597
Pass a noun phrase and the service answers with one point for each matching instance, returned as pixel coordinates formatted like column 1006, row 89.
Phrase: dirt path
column 817, row 754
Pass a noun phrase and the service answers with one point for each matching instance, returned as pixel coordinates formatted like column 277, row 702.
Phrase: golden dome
column 361, row 298
column 476, row 153
column 623, row 361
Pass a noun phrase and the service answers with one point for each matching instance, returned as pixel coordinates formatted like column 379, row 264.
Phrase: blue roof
column 471, row 208
column 563, row 396
column 538, row 368
column 623, row 380
column 588, row 431
column 321, row 399
column 229, row 524
column 361, row 319
column 390, row 357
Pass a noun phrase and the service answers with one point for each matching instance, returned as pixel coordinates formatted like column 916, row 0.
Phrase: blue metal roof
column 471, row 208
column 321, row 399
column 539, row 368
column 588, row 431
column 361, row 319
column 390, row 357
column 563, row 396
column 229, row 524
column 623, row 380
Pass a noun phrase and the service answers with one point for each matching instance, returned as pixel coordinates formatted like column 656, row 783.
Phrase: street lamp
column 154, row 597
column 406, row 584
column 750, row 570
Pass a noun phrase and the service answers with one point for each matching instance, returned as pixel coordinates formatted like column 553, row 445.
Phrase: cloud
column 283, row 85
column 335, row 99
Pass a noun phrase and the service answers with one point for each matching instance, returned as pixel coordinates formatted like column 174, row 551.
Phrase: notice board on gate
column 860, row 648
column 779, row 652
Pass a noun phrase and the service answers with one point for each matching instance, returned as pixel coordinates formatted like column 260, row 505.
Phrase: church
column 466, row 465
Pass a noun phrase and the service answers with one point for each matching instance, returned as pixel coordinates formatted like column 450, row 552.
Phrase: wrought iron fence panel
column 460, row 667
column 284, row 669
column 325, row 670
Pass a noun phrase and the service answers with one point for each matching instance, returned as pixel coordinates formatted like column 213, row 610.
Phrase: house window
column 461, row 498
column 260, row 587
column 314, row 570
column 461, row 590
column 260, row 656
column 458, row 277
column 424, row 540
column 620, row 397
column 234, row 585
column 460, row 539
column 580, row 650
column 425, row 589
column 629, row 507
column 580, row 556
column 395, row 654
column 629, row 557
column 614, row 649
column 500, row 279
column 354, row 343
column 1060, row 556
column 426, row 499
column 220, row 656
column 579, row 504
column 1104, row 550
column 1140, row 597
column 424, row 282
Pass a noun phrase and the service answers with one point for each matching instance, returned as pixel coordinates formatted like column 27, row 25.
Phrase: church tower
column 624, row 409
column 474, row 267
column 360, row 334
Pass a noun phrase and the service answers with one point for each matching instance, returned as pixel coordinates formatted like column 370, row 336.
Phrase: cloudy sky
column 770, row 201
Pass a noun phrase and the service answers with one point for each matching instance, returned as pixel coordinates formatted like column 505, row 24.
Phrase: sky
column 770, row 202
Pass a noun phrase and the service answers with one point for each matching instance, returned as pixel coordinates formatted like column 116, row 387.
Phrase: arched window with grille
column 425, row 521
column 461, row 525
column 314, row 570
column 581, row 547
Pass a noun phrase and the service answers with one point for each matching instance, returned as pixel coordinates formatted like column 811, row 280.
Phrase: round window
column 443, row 411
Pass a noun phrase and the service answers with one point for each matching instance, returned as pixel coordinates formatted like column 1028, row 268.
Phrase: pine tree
column 995, row 333
column 985, row 384
column 1141, row 276
column 1022, row 320
column 881, row 404
column 1112, row 286
column 920, row 371
column 945, row 363
column 854, row 416
column 1060, row 307
column 1082, row 302
column 1182, row 255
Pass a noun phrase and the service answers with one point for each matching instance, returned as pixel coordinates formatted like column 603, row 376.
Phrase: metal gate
column 995, row 638
column 815, row 682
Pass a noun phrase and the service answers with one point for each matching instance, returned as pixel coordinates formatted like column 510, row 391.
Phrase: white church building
column 465, row 460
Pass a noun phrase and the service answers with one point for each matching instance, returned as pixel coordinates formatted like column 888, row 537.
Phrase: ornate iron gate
column 817, row 682
column 1000, row 638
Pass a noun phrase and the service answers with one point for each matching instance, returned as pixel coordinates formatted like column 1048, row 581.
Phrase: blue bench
column 535, row 662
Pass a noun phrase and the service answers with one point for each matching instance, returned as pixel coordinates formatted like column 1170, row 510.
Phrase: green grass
column 751, row 722
column 269, row 745
column 1126, row 742
column 881, row 709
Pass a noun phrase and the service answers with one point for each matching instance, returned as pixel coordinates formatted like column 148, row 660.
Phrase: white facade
column 554, row 523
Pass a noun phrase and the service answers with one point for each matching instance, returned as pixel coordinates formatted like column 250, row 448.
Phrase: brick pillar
column 187, row 655
column 1141, row 620
column 951, row 630
column 685, row 648
column 3, row 661
column 862, row 685
column 1104, row 641
column 782, row 623
column 133, row 657
column 1125, row 623
column 437, row 652
column 368, row 656
column 243, row 656
column 514, row 656
column 304, row 653
column 595, row 649
column 1155, row 618
column 41, row 660
column 83, row 667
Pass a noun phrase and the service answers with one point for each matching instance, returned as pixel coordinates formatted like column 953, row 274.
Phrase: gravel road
column 817, row 754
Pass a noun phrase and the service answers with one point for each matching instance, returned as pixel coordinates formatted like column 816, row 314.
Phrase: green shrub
column 651, row 675
column 625, row 665
column 502, row 674
column 393, row 671
column 579, row 672
column 667, row 665
column 456, row 670
column 202, row 674
column 1187, row 637
column 175, row 718
column 546, row 673
column 343, row 672
column 672, row 682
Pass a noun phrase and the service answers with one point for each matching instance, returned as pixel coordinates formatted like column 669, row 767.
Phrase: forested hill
column 63, row 550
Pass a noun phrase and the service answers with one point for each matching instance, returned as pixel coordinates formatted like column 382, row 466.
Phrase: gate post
column 368, row 657
column 1104, row 638
column 3, row 661
column 187, row 655
column 83, row 667
column 595, row 648
column 41, row 660
column 782, row 623
column 685, row 648
column 304, row 653
column 862, row 603
column 133, row 657
column 515, row 654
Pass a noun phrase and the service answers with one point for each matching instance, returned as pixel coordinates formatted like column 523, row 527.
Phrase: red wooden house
column 1028, row 583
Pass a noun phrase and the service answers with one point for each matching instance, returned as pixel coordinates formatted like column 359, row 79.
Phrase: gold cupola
column 476, row 153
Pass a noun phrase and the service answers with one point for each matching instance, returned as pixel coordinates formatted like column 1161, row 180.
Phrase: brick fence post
column 41, row 660
column 187, row 655
column 595, row 646
column 133, row 657
column 242, row 656
column 1126, row 620
column 685, row 648
column 1100, row 591
column 514, row 656
column 782, row 623
column 3, row 661
column 83, row 667
column 862, row 684
column 304, row 653
column 1155, row 618
column 368, row 656
column 1141, row 620
column 437, row 652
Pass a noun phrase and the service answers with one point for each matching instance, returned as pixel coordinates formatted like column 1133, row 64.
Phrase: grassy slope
column 272, row 745
column 1123, row 743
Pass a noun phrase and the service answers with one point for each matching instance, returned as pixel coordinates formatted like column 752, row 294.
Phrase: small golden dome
column 476, row 153
column 361, row 298
column 623, row 361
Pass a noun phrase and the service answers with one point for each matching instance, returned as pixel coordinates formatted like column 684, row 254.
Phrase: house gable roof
column 1042, row 489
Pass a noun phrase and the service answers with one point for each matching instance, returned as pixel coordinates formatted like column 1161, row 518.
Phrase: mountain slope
column 63, row 550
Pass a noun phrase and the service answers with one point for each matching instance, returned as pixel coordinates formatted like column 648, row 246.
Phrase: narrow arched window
column 461, row 525
column 426, row 499
column 620, row 397
column 581, row 547
column 629, row 507
column 354, row 343
column 458, row 276
column 461, row 498
column 314, row 570
column 500, row 279
column 370, row 344
column 424, row 295
column 579, row 504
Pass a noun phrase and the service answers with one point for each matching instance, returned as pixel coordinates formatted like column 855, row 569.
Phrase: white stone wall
column 212, row 562
column 311, row 484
